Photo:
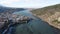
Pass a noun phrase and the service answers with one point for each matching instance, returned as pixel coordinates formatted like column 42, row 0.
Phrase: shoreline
column 53, row 25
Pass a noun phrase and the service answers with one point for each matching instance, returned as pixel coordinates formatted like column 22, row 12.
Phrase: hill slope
column 50, row 14
column 8, row 9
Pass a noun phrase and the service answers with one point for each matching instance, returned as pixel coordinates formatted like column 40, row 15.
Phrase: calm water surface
column 36, row 26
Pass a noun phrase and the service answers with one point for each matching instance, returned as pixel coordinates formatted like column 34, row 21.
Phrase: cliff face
column 49, row 14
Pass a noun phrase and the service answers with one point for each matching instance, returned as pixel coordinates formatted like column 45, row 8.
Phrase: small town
column 16, row 19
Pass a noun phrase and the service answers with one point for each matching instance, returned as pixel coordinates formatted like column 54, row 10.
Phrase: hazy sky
column 28, row 3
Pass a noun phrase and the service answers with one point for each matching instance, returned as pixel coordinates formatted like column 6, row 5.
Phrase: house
column 59, row 19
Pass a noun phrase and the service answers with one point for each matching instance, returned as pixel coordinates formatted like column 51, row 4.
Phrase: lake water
column 36, row 26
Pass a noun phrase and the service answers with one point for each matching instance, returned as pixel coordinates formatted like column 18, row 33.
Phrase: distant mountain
column 8, row 9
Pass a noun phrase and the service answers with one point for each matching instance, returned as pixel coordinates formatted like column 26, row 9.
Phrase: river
column 36, row 26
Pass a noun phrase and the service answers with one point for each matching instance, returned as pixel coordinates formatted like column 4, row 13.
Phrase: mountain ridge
column 6, row 9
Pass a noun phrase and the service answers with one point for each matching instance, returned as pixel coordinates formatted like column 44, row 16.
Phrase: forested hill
column 8, row 9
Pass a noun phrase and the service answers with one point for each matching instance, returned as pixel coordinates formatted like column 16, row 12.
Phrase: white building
column 59, row 19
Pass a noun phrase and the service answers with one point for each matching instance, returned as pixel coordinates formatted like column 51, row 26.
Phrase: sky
column 28, row 3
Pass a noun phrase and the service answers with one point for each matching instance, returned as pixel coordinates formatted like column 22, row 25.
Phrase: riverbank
column 51, row 24
column 8, row 23
column 50, row 14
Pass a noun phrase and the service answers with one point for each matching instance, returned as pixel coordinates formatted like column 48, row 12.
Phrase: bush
column 56, row 21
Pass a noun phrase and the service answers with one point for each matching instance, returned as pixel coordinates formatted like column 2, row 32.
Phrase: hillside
column 9, row 9
column 50, row 14
column 6, row 11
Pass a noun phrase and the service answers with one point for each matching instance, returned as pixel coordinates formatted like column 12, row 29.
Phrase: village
column 16, row 19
